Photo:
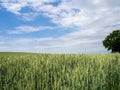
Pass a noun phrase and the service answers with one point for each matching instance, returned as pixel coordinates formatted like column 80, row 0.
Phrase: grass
column 28, row 71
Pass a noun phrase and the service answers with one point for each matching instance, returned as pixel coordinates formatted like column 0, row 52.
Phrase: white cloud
column 71, row 12
column 29, row 16
column 81, row 41
column 17, row 5
column 94, row 20
column 1, row 42
column 64, row 44
column 28, row 29
column 12, row 7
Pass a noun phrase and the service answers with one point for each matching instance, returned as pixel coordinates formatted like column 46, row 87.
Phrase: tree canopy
column 112, row 41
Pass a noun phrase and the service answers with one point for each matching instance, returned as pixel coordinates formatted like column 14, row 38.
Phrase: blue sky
column 57, row 26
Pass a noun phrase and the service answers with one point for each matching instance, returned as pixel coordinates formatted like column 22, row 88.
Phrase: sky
column 57, row 26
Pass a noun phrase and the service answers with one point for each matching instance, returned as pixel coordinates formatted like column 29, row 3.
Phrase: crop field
column 27, row 71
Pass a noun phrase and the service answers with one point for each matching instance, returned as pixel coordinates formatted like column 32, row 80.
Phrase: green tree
column 112, row 41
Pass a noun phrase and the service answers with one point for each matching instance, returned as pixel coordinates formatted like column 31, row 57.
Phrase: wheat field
column 30, row 71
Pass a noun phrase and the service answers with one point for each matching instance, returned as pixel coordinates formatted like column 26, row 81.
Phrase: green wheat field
column 30, row 71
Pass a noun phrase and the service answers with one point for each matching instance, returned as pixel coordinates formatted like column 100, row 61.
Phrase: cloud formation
column 71, row 12
column 93, row 19
column 28, row 29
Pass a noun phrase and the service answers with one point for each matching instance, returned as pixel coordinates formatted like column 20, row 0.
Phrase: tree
column 112, row 41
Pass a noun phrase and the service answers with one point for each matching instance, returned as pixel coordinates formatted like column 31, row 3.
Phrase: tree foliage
column 112, row 41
